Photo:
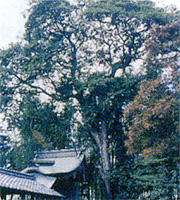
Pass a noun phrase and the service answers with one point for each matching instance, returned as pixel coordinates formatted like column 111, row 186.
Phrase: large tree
column 84, row 57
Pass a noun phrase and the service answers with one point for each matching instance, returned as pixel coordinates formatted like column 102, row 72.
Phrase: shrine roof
column 21, row 182
column 58, row 161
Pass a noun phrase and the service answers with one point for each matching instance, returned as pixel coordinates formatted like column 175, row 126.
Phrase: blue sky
column 12, row 21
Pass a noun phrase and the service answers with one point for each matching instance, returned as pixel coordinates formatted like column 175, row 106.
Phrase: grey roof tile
column 24, row 182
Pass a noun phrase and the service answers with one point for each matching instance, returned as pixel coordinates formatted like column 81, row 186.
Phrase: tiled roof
column 14, row 180
column 40, row 177
column 57, row 153
column 58, row 161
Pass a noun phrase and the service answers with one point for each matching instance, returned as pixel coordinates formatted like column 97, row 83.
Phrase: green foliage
column 159, row 177
column 163, row 52
column 125, row 185
column 120, row 10
column 21, row 155
column 152, row 117
column 44, row 14
column 103, row 97
column 40, row 122
column 120, row 30
column 72, row 55
column 40, row 128
column 5, row 145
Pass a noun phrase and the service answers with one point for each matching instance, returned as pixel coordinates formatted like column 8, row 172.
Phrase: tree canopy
column 77, row 70
column 153, row 116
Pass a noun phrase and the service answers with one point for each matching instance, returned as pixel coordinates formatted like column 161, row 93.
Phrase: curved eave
column 62, row 165
column 30, row 170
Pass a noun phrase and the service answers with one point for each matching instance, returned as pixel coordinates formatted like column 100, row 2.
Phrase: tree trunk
column 105, row 170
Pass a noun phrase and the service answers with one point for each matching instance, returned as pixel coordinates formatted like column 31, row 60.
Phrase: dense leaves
column 81, row 62
column 153, row 117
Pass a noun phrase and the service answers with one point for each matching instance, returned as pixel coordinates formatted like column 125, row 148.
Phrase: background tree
column 153, row 117
column 5, row 145
column 40, row 128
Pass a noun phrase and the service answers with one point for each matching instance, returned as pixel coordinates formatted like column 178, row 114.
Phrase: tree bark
column 105, row 170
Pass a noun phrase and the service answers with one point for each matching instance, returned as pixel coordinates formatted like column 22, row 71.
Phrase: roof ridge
column 17, row 174
column 58, row 150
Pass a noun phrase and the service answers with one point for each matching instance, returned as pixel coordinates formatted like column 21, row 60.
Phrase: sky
column 12, row 20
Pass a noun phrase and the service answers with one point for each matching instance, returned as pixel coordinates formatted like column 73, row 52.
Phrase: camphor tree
column 153, row 117
column 73, row 55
